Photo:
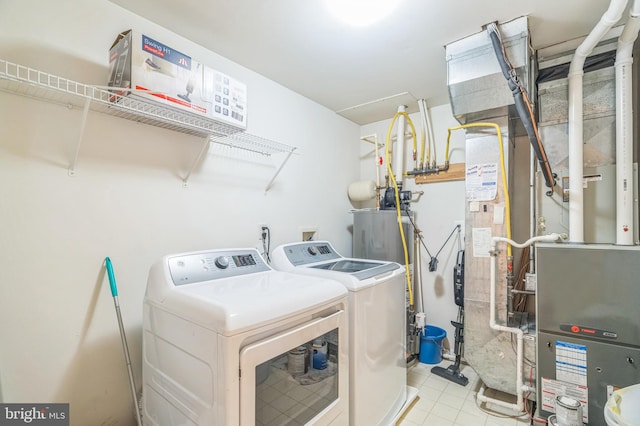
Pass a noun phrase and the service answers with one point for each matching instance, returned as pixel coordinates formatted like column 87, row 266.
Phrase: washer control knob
column 222, row 262
column 312, row 250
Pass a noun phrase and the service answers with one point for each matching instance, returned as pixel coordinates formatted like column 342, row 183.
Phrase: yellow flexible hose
column 446, row 154
column 395, row 185
column 502, row 169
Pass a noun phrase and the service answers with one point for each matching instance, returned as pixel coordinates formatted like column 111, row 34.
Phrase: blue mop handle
column 125, row 347
column 112, row 278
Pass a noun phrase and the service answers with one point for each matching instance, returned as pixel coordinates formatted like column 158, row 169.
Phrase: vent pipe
column 576, row 139
column 624, row 128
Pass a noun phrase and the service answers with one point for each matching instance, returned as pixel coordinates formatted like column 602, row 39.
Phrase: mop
column 125, row 347
column 453, row 371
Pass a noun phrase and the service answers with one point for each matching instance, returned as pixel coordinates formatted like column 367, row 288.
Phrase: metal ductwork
column 476, row 85
column 478, row 91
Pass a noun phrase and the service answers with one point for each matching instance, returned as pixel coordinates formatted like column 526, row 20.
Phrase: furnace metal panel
column 592, row 286
column 586, row 300
column 607, row 365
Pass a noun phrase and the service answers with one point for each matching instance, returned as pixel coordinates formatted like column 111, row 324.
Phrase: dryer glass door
column 302, row 383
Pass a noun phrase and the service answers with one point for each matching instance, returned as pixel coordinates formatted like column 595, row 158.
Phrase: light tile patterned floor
column 441, row 402
column 282, row 400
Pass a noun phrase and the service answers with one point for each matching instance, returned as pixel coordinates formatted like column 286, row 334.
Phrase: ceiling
column 363, row 73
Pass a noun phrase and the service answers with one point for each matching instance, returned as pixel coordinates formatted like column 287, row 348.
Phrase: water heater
column 376, row 235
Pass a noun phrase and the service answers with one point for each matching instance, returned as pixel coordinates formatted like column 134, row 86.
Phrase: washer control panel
column 311, row 252
column 211, row 265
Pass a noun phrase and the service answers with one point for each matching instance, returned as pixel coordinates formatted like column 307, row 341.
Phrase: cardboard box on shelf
column 142, row 66
column 229, row 98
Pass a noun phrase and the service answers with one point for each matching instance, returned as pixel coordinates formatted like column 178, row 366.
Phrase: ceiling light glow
column 361, row 13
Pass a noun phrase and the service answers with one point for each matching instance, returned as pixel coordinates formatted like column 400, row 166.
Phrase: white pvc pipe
column 576, row 139
column 398, row 157
column 423, row 134
column 624, row 128
column 428, row 129
column 521, row 388
column 432, row 138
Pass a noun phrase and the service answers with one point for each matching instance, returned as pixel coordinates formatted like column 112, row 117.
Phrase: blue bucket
column 431, row 345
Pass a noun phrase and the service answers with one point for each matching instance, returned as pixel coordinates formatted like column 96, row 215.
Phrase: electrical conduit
column 576, row 139
column 521, row 388
column 624, row 128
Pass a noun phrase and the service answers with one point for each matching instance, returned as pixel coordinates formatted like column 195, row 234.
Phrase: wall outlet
column 309, row 233
column 262, row 231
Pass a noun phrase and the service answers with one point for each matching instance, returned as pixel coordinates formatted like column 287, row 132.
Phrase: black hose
column 523, row 106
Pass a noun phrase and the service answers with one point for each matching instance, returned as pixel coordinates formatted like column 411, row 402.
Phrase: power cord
column 266, row 242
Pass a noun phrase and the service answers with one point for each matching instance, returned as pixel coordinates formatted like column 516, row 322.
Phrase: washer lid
column 320, row 259
column 358, row 268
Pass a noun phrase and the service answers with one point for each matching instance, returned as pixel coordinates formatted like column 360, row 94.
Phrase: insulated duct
column 576, row 155
column 523, row 105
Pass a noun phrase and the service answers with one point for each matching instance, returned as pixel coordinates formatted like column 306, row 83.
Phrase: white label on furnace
column 481, row 242
column 552, row 388
column 498, row 214
column 571, row 363
column 481, row 181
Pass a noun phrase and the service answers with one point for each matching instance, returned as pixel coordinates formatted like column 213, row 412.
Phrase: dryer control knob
column 222, row 262
column 312, row 250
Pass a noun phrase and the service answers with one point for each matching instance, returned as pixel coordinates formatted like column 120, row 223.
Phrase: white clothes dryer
column 378, row 391
column 215, row 321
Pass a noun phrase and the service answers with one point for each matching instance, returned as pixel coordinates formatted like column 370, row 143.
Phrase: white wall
column 437, row 210
column 60, row 340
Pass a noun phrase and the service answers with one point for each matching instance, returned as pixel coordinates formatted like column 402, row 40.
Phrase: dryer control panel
column 211, row 265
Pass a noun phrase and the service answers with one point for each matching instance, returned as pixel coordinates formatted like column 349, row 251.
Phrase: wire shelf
column 32, row 83
column 40, row 85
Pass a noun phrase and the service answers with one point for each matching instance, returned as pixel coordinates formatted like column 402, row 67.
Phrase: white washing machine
column 219, row 328
column 378, row 391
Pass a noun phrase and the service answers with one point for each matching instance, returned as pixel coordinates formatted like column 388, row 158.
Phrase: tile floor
column 441, row 402
column 284, row 400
